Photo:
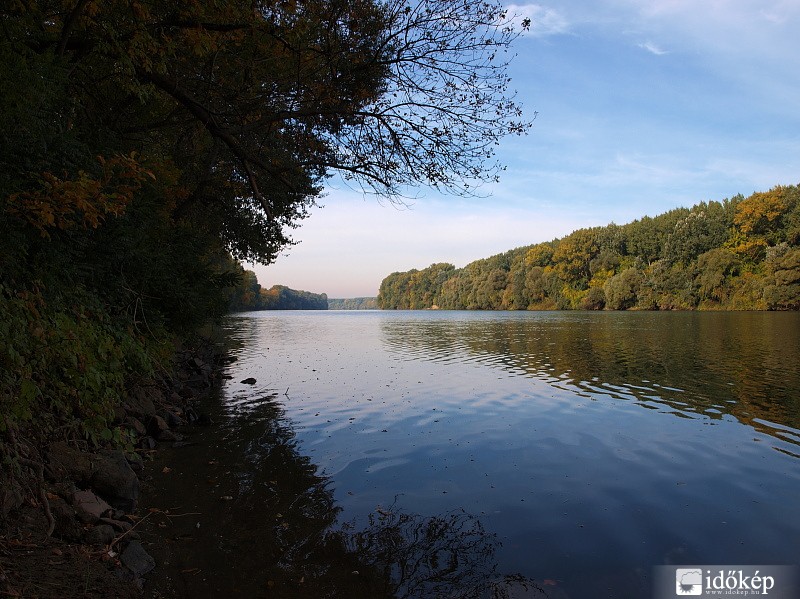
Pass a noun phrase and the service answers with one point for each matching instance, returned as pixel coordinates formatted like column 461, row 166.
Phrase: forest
column 248, row 295
column 353, row 303
column 147, row 149
column 735, row 254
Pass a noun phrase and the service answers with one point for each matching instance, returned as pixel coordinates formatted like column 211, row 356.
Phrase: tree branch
column 207, row 119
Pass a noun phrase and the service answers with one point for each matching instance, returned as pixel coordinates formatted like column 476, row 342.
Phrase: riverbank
column 70, row 518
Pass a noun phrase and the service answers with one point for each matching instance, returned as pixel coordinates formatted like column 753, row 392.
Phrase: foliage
column 256, row 105
column 353, row 303
column 739, row 254
column 65, row 367
column 145, row 147
column 248, row 295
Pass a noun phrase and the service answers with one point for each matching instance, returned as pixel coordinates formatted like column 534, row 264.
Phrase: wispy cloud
column 544, row 20
column 653, row 48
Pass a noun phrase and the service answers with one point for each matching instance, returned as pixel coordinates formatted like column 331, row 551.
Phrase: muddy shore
column 71, row 522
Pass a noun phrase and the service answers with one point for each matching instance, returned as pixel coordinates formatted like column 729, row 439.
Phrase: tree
column 255, row 104
column 702, row 229
column 621, row 290
column 573, row 256
column 715, row 269
column 783, row 271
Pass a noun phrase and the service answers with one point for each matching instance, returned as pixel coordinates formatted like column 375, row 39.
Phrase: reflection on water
column 273, row 535
column 686, row 363
column 437, row 454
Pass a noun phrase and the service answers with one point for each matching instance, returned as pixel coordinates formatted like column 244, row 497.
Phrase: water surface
column 588, row 447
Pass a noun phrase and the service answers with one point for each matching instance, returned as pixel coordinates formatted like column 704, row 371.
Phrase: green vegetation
column 738, row 254
column 147, row 147
column 249, row 295
column 353, row 303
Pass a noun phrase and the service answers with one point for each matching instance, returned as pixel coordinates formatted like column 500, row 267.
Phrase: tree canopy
column 248, row 107
column 741, row 254
column 146, row 147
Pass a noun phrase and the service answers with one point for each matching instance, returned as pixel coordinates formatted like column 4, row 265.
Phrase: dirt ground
column 33, row 565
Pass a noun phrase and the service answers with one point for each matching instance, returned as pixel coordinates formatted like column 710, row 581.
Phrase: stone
column 67, row 462
column 155, row 425
column 200, row 367
column 119, row 525
column 249, row 381
column 107, row 473
column 147, row 443
column 102, row 534
column 90, row 507
column 67, row 526
column 136, row 559
column 136, row 462
column 116, row 481
column 168, row 436
column 173, row 420
column 140, row 401
column 135, row 425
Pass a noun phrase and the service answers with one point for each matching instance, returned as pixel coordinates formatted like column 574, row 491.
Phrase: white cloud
column 653, row 49
column 544, row 21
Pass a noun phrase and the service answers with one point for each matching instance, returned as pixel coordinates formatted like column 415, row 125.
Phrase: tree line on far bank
column 249, row 295
column 353, row 303
column 737, row 254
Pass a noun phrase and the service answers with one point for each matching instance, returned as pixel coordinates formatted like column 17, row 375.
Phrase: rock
column 156, row 425
column 190, row 414
column 136, row 559
column 140, row 401
column 147, row 443
column 173, row 420
column 168, row 436
column 67, row 526
column 65, row 489
column 67, row 462
column 90, row 507
column 107, row 473
column 198, row 382
column 249, row 381
column 200, row 367
column 136, row 425
column 118, row 515
column 119, row 525
column 116, row 481
column 136, row 462
column 102, row 534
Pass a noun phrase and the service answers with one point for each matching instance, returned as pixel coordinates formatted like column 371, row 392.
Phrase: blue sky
column 642, row 106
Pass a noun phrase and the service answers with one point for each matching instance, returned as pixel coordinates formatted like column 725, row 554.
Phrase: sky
column 641, row 106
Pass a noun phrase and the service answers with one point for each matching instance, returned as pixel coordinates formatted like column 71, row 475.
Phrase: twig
column 120, row 537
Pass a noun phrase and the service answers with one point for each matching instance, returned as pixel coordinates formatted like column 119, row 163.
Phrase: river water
column 466, row 454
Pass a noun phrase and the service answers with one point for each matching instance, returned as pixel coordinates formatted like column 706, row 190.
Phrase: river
column 460, row 454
